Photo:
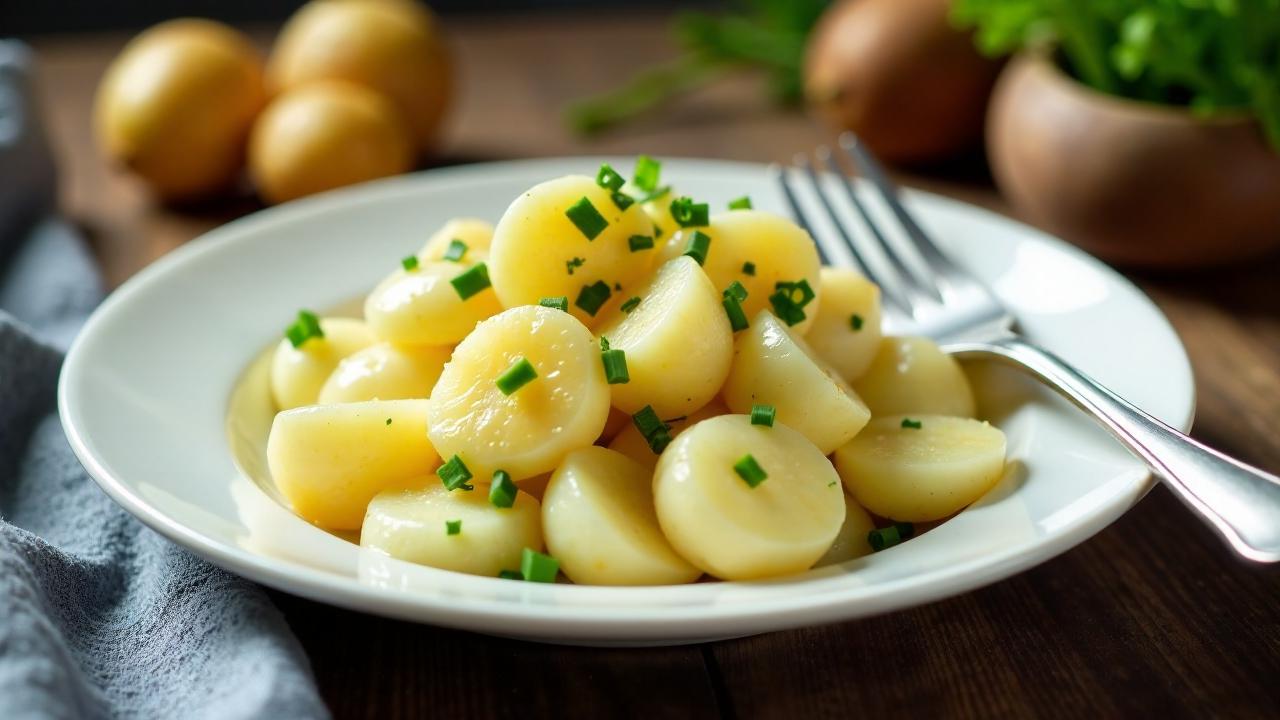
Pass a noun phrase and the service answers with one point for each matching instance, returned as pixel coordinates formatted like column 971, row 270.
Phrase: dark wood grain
column 1153, row 617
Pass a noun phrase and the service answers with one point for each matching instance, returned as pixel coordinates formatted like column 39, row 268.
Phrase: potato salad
column 621, row 385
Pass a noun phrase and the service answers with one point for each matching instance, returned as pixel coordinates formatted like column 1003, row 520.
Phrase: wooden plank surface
column 1151, row 617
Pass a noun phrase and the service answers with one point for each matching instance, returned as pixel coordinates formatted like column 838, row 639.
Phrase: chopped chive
column 474, row 280
column 640, row 242
column 520, row 373
column 502, row 491
column 586, row 218
column 630, row 305
column 604, row 343
column 454, row 474
column 453, row 527
column 855, row 322
column 750, row 471
column 388, row 421
column 742, row 203
column 698, row 246
column 537, row 567
column 762, row 414
column 510, row 575
column 647, row 172
column 748, row 268
column 617, row 287
column 592, row 297
column 831, row 484
column 912, row 424
column 574, row 263
column 622, row 200
column 887, row 537
column 615, row 365
column 307, row 326
column 736, row 290
column 655, row 432
column 789, row 300
column 409, row 263
column 657, row 231
column 609, row 178
column 737, row 316
column 456, row 251
column 558, row 303
column 687, row 213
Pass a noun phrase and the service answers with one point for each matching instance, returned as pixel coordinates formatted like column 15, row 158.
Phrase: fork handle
column 1241, row 502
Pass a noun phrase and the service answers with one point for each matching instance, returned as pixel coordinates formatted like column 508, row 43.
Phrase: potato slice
column 916, row 475
column 476, row 234
column 412, row 525
column 297, row 374
column 531, row 430
column 912, row 375
column 538, row 252
column 677, row 342
column 386, row 371
column 631, row 443
column 771, row 365
column 780, row 250
column 846, row 329
column 421, row 306
column 851, row 543
column 600, row 524
column 330, row 460
column 731, row 530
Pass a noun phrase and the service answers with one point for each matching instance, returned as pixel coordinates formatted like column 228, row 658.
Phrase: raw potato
column 677, row 341
column 912, row 375
column 600, row 524
column 421, row 306
column 410, row 525
column 781, row 251
column 845, row 294
column 772, row 366
column 297, row 374
column 330, row 460
column 476, row 234
column 386, row 371
column 530, row 431
column 736, row 532
column 852, row 542
column 535, row 239
column 631, row 443
column 920, row 475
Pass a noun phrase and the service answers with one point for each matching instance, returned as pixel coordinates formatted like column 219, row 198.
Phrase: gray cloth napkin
column 99, row 616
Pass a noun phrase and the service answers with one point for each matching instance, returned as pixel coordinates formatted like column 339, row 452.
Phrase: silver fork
column 931, row 295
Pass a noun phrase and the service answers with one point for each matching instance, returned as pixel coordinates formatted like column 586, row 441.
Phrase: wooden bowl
column 1134, row 183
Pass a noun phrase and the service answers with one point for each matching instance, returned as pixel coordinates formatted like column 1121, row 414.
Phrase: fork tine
column 780, row 174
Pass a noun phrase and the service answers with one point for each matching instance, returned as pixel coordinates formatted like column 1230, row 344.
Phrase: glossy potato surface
column 912, row 375
column 297, row 374
column 422, row 307
column 386, row 371
column 846, row 344
column 476, row 234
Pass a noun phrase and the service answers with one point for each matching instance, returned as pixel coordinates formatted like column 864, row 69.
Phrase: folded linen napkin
column 99, row 616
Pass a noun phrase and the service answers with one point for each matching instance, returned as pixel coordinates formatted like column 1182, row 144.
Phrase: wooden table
column 1153, row 617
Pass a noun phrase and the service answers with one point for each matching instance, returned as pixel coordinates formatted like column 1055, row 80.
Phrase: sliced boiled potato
column 531, row 430
column 412, row 525
column 329, row 460
column 731, row 530
column 851, row 542
column 600, row 524
column 677, row 341
column 475, row 234
column 386, row 371
column 297, row 374
column 919, row 474
column 659, row 211
column 846, row 328
column 912, row 375
column 538, row 252
column 780, row 250
column 421, row 306
column 631, row 443
column 773, row 366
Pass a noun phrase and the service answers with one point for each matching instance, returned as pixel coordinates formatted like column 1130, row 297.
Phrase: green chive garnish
column 750, row 471
column 573, row 264
column 558, row 303
column 687, row 213
column 510, row 575
column 742, row 203
column 409, row 263
column 887, row 537
column 789, row 300
column 591, row 297
column 615, row 364
column 307, row 326
column 630, row 305
column 456, row 251
column 502, row 491
column 737, row 316
column 609, row 178
column 454, row 474
column 622, row 200
column 651, row 427
column 453, row 527
column 912, row 424
column 640, row 242
column 388, row 421
column 586, row 218
column 736, row 290
column 473, row 281
column 657, row 231
column 748, row 268
column 655, row 194
column 537, row 567
column 520, row 373
column 647, row 172
column 855, row 322
column 762, row 414
column 698, row 246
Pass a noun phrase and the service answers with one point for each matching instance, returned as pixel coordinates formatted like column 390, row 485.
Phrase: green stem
column 646, row 90
column 1084, row 47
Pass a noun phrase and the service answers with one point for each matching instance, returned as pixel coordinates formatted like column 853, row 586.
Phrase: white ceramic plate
column 145, row 389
